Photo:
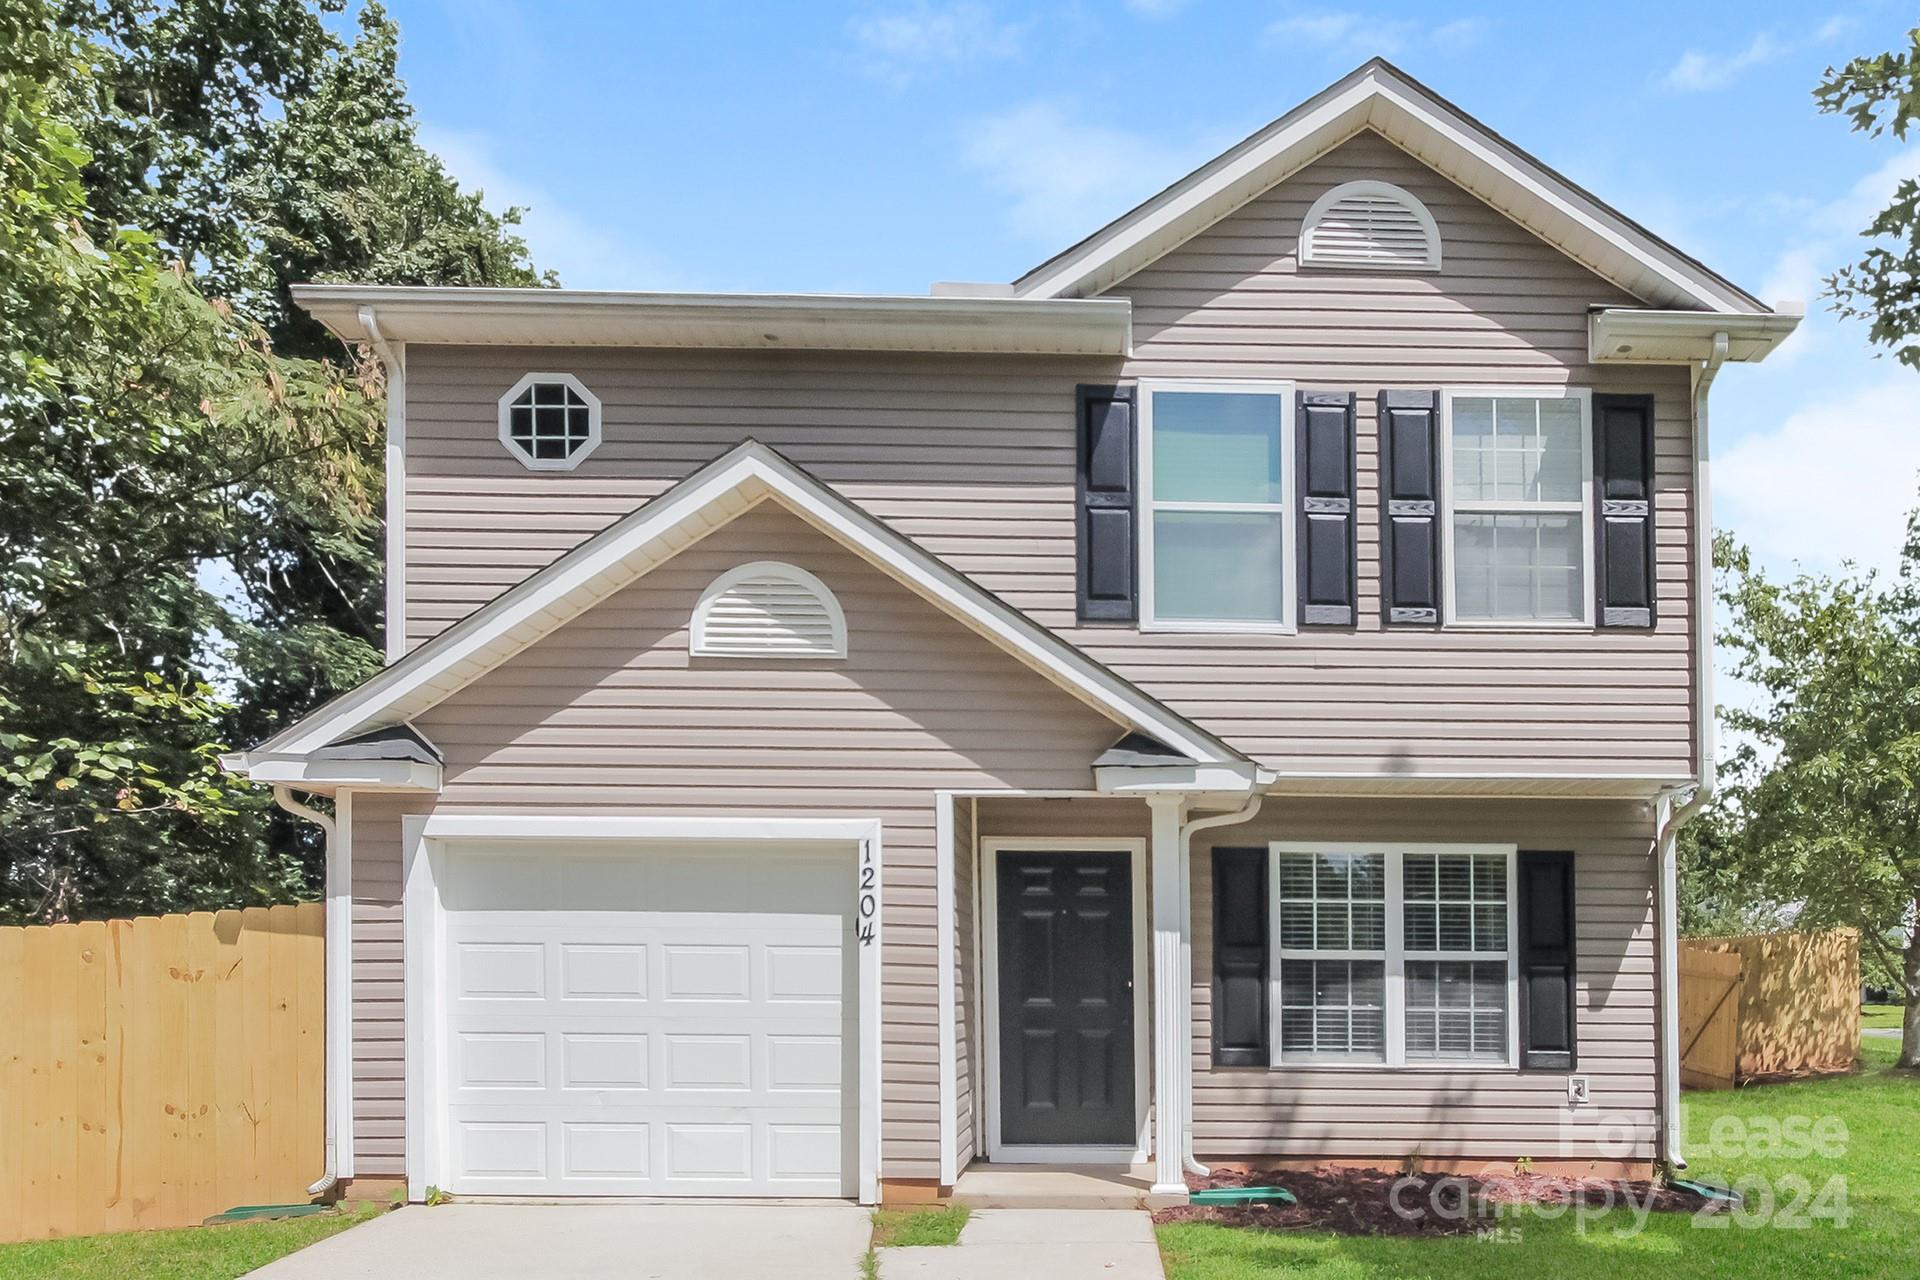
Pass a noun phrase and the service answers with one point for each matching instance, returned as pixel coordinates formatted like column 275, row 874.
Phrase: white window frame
column 1583, row 508
column 1285, row 508
column 1395, row 1038
column 573, row 459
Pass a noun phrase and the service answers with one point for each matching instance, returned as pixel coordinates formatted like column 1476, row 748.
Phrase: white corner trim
column 339, row 985
column 947, row 997
column 985, row 912
column 702, row 644
column 555, row 595
column 423, row 851
column 393, row 357
column 527, row 460
column 1317, row 212
column 421, row 927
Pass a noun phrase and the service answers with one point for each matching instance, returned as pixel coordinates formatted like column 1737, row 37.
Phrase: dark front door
column 1066, row 999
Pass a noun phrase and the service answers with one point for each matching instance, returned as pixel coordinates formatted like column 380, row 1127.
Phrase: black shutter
column 1623, row 465
column 1323, row 431
column 1546, row 960
column 1240, row 957
column 1410, row 506
column 1107, row 570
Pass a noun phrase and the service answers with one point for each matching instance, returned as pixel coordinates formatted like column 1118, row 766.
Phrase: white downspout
column 283, row 796
column 1669, row 819
column 1244, row 814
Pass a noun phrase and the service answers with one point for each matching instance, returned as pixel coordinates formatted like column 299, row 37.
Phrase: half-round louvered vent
column 1371, row 225
column 768, row 610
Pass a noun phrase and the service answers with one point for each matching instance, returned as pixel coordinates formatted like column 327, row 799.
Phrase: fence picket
column 158, row 1070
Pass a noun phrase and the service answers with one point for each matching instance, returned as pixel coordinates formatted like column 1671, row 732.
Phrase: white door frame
column 423, row 845
column 987, row 912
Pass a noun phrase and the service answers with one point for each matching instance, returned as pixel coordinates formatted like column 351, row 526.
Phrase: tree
column 1827, row 789
column 143, row 432
column 168, row 169
column 1879, row 94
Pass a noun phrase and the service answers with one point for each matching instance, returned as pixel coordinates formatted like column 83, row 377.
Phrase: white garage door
column 629, row 1021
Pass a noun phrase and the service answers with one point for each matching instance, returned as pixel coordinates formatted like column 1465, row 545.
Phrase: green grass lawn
column 905, row 1227
column 1881, row 1015
column 1880, row 1165
column 195, row 1253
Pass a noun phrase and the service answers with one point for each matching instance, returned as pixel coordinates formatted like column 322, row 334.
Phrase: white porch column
column 1172, row 1033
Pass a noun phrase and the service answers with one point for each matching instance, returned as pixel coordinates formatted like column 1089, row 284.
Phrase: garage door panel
column 627, row 1037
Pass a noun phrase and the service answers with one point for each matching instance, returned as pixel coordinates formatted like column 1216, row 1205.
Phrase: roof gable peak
column 1378, row 96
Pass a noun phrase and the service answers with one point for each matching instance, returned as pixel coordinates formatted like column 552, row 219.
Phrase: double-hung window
column 1518, row 468
column 1217, row 488
column 1393, row 955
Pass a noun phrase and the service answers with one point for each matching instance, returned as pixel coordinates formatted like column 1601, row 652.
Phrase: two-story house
column 1228, row 695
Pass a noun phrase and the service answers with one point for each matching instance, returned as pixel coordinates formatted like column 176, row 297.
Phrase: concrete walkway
column 591, row 1242
column 1060, row 1244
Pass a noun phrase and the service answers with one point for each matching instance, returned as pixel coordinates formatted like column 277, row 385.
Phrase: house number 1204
column 869, row 896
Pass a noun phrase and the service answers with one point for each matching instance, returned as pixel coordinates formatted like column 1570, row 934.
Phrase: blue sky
column 882, row 146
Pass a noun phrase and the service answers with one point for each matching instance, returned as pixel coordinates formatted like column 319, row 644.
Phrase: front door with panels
column 648, row 1021
column 1065, row 972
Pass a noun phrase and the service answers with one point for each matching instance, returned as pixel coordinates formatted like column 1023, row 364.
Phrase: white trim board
column 1379, row 96
column 424, row 842
column 737, row 481
column 339, row 983
column 986, row 885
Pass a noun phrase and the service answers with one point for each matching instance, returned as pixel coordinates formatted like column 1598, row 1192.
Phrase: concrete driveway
column 584, row 1242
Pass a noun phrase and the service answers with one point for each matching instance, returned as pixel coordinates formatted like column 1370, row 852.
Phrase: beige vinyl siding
column 973, row 457
column 379, row 988
column 610, row 715
column 1495, row 1114
column 1296, row 1112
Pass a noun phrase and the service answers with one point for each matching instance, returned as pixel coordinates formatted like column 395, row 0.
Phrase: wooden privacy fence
column 159, row 1070
column 1768, row 1004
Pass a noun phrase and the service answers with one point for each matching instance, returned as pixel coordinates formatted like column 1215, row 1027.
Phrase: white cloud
column 1061, row 171
column 1155, row 9
column 1831, row 239
column 901, row 41
column 1698, row 72
column 1835, row 27
column 586, row 255
column 1367, row 35
column 1833, row 482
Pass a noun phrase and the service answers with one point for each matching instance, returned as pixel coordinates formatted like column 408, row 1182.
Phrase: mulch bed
column 1361, row 1202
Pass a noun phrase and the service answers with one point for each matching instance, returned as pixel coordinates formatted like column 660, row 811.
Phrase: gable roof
column 1381, row 97
column 738, row 480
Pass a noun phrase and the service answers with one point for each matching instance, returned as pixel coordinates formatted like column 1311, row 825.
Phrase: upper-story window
column 550, row 421
column 1517, row 468
column 1370, row 226
column 1217, row 485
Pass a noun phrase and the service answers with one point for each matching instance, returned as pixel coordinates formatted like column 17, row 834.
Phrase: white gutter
column 395, row 362
column 1244, row 814
column 335, row 961
column 1669, row 819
